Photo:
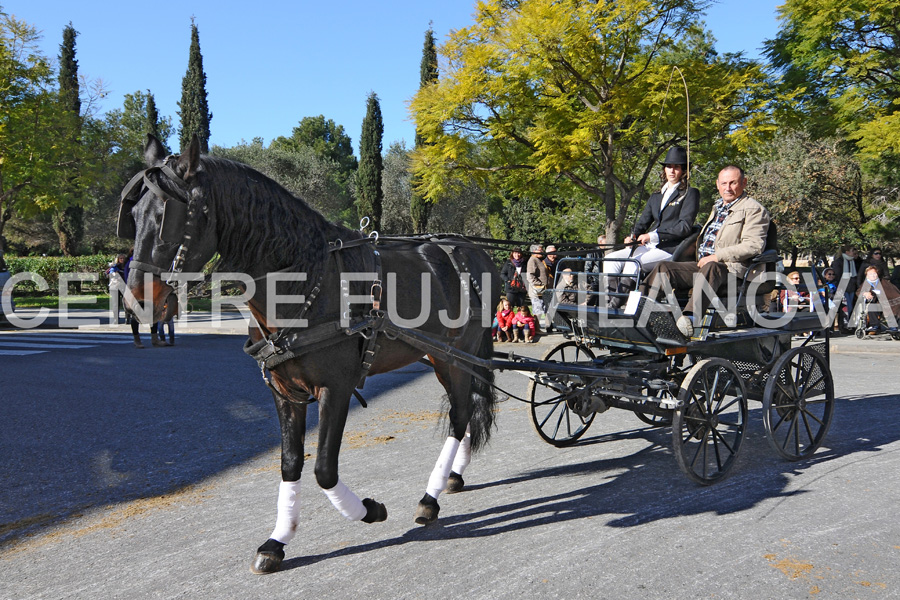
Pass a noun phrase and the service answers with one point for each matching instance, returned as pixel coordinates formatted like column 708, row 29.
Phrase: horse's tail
column 482, row 395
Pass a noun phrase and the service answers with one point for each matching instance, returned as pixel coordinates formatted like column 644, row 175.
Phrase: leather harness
column 290, row 343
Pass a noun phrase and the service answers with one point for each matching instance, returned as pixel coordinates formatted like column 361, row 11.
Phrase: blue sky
column 271, row 63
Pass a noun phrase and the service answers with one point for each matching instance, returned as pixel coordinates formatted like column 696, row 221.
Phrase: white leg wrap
column 438, row 480
column 464, row 454
column 288, row 512
column 346, row 501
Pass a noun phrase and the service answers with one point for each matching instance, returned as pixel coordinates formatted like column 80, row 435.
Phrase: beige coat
column 538, row 277
column 742, row 236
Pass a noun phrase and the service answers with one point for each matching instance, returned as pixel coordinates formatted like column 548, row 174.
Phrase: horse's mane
column 261, row 225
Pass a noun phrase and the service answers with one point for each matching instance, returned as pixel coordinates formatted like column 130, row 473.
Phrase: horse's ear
column 190, row 158
column 154, row 152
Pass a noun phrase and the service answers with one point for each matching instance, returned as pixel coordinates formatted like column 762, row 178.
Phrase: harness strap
column 370, row 346
column 146, row 267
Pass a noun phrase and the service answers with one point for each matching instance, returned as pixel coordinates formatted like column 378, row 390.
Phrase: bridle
column 178, row 215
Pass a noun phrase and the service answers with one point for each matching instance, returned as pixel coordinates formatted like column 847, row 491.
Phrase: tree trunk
column 69, row 225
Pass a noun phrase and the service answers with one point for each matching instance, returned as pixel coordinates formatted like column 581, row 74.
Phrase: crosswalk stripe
column 77, row 338
column 21, row 352
column 48, row 346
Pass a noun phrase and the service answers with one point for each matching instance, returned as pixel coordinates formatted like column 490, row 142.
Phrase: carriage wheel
column 553, row 408
column 707, row 430
column 656, row 420
column 798, row 403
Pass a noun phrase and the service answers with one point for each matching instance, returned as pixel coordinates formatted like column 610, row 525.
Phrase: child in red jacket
column 503, row 329
column 525, row 321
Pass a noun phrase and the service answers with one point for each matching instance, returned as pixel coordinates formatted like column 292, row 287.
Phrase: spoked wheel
column 657, row 420
column 553, row 405
column 707, row 430
column 798, row 403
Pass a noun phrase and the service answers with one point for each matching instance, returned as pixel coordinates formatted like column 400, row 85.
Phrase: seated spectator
column 667, row 219
column 734, row 233
column 524, row 322
column 569, row 293
column 829, row 285
column 881, row 290
column 794, row 300
column 503, row 330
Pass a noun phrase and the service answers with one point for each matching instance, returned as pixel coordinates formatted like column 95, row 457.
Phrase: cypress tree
column 151, row 125
column 419, row 208
column 368, row 175
column 194, row 110
column 68, row 72
column 69, row 220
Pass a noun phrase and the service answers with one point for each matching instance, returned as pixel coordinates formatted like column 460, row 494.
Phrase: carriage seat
column 686, row 251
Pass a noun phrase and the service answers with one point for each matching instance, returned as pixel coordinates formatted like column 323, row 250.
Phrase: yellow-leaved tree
column 577, row 100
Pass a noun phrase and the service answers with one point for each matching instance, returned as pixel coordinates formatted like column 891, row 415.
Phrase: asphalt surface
column 153, row 473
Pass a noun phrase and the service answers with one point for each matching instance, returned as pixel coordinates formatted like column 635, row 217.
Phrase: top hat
column 676, row 156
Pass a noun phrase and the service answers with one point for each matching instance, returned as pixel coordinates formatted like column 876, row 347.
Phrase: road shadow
column 647, row 485
column 100, row 426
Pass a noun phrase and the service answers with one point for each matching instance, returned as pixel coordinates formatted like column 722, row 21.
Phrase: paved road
column 153, row 473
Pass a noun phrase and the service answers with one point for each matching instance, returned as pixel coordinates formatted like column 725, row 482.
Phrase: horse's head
column 164, row 210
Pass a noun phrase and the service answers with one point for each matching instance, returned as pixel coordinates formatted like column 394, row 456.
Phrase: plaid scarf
column 708, row 244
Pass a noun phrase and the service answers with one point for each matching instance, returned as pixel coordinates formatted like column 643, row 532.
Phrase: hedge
column 49, row 267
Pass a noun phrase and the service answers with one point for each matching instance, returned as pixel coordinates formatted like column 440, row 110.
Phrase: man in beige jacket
column 734, row 233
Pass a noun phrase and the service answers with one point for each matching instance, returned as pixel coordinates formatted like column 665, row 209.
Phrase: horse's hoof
column 268, row 558
column 455, row 483
column 375, row 511
column 427, row 511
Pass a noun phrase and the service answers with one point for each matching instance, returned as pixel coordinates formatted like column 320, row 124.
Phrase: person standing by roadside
column 118, row 279
column 513, row 276
column 874, row 259
column 538, row 279
column 550, row 263
column 848, row 265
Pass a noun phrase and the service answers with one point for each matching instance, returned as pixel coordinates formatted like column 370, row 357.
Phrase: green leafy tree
column 419, row 207
column 130, row 125
column 843, row 61
column 576, row 102
column 193, row 108
column 328, row 141
column 117, row 143
column 68, row 220
column 369, row 195
column 815, row 191
column 326, row 138
column 30, row 117
column 299, row 169
column 396, row 185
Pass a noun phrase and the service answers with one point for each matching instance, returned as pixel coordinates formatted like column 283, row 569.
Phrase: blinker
column 174, row 218
column 125, row 227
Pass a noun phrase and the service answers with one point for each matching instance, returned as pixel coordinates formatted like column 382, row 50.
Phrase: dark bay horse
column 321, row 296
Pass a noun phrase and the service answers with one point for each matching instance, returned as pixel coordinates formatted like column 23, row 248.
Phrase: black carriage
column 636, row 359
